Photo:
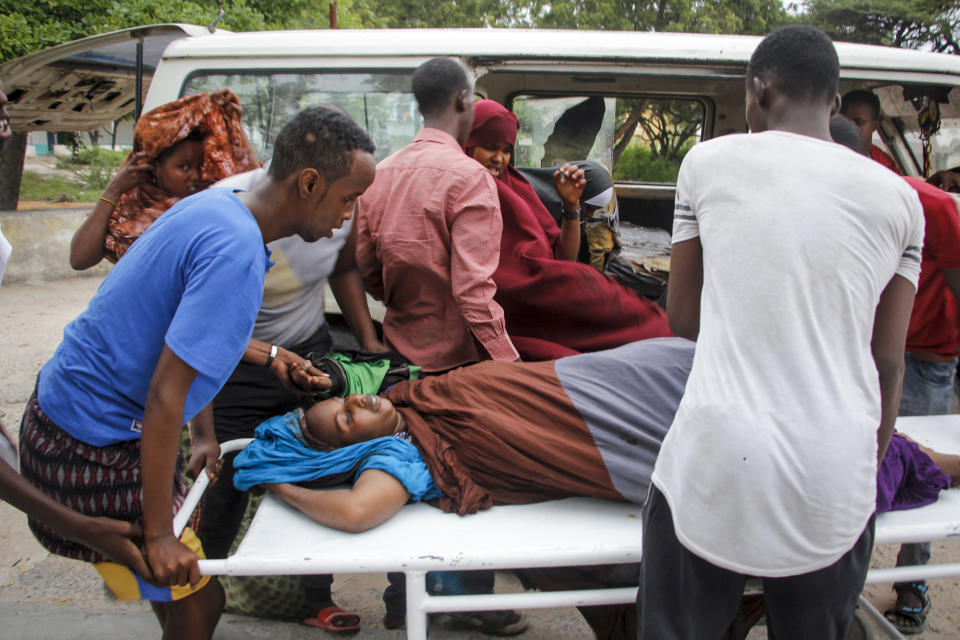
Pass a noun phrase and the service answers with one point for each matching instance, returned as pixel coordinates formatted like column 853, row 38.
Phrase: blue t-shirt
column 193, row 281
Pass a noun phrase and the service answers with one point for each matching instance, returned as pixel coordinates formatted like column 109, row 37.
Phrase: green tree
column 26, row 27
column 442, row 13
column 667, row 125
column 913, row 24
column 696, row 16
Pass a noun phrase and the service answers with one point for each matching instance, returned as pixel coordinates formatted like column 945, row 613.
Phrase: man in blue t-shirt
column 158, row 340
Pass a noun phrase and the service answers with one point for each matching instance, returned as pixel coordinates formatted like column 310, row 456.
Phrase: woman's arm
column 569, row 182
column 373, row 499
column 347, row 286
column 86, row 247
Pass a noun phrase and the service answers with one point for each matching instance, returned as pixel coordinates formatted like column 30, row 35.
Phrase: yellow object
column 601, row 240
column 127, row 585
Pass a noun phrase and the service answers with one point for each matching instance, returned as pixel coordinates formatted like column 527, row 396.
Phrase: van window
column 640, row 139
column 900, row 124
column 944, row 146
column 380, row 102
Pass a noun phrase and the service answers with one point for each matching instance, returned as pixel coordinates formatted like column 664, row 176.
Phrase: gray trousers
column 684, row 597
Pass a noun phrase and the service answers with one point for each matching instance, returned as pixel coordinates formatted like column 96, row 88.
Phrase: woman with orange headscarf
column 554, row 306
column 178, row 149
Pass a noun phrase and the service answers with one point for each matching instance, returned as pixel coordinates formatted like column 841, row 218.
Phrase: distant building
column 118, row 135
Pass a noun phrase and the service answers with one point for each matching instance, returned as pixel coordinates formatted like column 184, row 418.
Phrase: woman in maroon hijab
column 554, row 306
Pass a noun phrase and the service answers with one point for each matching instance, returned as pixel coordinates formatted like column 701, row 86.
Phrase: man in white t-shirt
column 799, row 296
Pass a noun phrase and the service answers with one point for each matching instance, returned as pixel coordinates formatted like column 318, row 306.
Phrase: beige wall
column 41, row 251
column 41, row 245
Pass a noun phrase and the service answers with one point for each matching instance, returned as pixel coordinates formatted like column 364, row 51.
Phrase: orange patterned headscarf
column 226, row 151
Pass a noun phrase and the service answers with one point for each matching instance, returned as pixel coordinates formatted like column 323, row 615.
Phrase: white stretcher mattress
column 556, row 533
column 574, row 531
column 420, row 537
column 942, row 518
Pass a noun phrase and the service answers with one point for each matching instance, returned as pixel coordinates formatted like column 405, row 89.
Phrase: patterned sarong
column 96, row 481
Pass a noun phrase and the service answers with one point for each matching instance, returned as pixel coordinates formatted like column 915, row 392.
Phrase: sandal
column 335, row 620
column 393, row 621
column 909, row 619
column 491, row 623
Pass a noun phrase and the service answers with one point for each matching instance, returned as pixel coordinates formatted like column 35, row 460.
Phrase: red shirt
column 884, row 158
column 934, row 321
column 428, row 243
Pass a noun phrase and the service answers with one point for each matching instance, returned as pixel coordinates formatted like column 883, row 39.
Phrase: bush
column 91, row 155
column 94, row 166
column 34, row 186
column 638, row 164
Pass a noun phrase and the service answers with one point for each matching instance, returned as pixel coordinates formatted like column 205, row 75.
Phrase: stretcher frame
column 580, row 531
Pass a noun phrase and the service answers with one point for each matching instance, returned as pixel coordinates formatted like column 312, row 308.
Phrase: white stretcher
column 574, row 531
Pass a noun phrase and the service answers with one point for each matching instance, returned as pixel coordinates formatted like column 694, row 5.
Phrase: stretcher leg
column 879, row 619
column 193, row 497
column 416, row 611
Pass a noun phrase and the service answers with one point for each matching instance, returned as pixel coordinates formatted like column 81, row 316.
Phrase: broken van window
column 640, row 139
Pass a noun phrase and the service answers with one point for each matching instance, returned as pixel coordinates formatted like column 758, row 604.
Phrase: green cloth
column 362, row 377
column 369, row 375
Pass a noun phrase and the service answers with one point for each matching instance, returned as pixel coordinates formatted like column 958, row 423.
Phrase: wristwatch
column 273, row 355
column 570, row 215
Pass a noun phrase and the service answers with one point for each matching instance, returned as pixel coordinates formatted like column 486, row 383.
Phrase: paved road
column 44, row 596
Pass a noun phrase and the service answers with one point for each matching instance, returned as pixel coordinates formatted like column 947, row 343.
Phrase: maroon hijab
column 553, row 307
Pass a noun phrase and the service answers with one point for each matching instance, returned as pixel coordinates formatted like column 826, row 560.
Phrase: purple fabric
column 908, row 478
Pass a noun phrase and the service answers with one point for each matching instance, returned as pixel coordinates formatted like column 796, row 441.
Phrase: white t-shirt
column 293, row 292
column 770, row 464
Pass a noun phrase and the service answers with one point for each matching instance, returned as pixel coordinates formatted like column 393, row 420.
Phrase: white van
column 633, row 101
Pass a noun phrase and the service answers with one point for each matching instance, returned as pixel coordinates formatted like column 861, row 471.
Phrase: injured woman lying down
column 509, row 433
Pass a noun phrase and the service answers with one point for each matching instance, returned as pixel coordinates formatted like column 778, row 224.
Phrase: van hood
column 87, row 83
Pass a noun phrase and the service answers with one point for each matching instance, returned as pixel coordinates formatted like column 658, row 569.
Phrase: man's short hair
column 322, row 138
column 861, row 96
column 844, row 132
column 800, row 62
column 436, row 81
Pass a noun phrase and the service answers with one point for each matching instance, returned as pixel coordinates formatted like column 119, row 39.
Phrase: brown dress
column 512, row 433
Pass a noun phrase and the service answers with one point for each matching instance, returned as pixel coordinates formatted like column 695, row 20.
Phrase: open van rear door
column 87, row 83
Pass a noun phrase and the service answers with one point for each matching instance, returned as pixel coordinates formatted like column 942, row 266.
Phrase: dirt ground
column 66, row 595
column 32, row 205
